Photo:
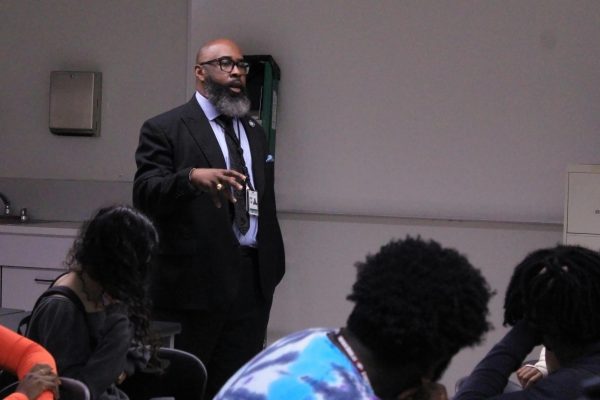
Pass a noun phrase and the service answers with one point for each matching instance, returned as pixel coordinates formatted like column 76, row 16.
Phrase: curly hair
column 115, row 249
column 557, row 290
column 417, row 303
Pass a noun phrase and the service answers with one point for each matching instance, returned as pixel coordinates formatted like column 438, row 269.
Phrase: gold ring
column 219, row 186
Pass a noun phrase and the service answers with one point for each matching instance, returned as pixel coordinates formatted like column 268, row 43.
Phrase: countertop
column 41, row 228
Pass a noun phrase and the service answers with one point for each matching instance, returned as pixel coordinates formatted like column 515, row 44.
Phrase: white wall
column 139, row 46
column 424, row 108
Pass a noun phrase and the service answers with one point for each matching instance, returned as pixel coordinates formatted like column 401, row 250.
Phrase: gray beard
column 227, row 103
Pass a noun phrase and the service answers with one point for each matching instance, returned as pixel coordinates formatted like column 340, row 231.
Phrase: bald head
column 217, row 48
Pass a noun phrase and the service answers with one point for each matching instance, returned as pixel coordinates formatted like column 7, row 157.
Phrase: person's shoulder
column 300, row 338
column 254, row 127
column 170, row 122
column 173, row 113
column 56, row 303
column 252, row 122
column 54, row 312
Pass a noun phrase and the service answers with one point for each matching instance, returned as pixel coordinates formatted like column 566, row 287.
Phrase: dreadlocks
column 557, row 290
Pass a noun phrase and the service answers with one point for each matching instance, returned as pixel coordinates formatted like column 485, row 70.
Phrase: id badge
column 252, row 202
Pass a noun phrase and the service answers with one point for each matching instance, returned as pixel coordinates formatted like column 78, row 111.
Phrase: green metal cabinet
column 263, row 85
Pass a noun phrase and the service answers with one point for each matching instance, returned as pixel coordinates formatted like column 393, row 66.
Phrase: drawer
column 583, row 203
column 589, row 241
column 34, row 250
column 22, row 286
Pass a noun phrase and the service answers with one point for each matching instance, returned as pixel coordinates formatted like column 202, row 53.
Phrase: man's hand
column 217, row 182
column 39, row 379
column 528, row 375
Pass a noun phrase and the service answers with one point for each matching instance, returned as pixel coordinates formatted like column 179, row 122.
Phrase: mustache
column 227, row 101
column 236, row 83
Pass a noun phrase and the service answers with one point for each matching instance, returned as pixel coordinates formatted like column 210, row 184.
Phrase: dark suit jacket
column 199, row 257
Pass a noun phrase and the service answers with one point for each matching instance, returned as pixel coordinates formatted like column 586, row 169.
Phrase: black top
column 90, row 347
column 491, row 375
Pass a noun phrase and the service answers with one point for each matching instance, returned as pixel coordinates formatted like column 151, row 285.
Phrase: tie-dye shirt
column 305, row 365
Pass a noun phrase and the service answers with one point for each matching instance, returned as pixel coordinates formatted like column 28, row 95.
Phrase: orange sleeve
column 18, row 396
column 19, row 354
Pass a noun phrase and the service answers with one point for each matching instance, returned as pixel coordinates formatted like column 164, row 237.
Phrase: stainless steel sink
column 8, row 218
column 17, row 220
column 37, row 225
column 11, row 219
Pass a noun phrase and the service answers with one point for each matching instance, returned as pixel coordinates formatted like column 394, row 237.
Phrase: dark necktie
column 236, row 162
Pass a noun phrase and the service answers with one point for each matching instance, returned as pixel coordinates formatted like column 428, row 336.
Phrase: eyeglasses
column 227, row 64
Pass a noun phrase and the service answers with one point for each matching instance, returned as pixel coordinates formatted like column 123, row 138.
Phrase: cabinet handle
column 43, row 281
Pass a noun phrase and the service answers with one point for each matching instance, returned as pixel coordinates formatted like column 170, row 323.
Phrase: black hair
column 418, row 304
column 115, row 249
column 557, row 290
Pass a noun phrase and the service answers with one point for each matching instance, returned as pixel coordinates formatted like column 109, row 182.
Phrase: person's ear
column 199, row 72
column 431, row 390
column 407, row 394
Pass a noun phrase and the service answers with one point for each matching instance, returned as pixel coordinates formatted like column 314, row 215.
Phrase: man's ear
column 199, row 72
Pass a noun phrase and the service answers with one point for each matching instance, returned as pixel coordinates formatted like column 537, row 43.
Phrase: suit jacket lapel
column 202, row 133
column 258, row 156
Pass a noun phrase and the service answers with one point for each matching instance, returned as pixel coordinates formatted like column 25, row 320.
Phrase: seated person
column 108, row 267
column 32, row 364
column 416, row 305
column 552, row 299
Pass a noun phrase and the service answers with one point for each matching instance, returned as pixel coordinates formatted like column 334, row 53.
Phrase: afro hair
column 418, row 303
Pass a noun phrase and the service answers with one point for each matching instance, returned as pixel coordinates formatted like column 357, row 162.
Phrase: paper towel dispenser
column 75, row 98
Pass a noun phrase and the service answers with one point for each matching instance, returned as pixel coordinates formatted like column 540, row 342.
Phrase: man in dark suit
column 203, row 176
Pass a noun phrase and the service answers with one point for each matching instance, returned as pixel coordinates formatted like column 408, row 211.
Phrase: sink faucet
column 6, row 203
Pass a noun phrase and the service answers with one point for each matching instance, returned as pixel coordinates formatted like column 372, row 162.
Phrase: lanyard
column 339, row 339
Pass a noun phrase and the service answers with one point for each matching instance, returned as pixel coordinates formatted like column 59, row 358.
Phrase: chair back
column 72, row 389
column 69, row 389
column 183, row 379
column 8, row 389
column 6, row 379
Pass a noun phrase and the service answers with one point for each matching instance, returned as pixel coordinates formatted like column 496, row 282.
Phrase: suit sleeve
column 159, row 188
column 19, row 354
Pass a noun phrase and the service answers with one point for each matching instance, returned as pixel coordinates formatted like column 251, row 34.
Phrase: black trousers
column 225, row 341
